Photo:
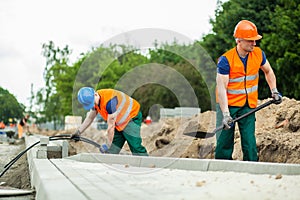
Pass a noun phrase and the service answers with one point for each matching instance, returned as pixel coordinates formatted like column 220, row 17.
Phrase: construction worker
column 237, row 91
column 21, row 125
column 2, row 125
column 122, row 114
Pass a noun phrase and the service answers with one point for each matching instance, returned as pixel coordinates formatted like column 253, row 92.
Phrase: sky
column 26, row 25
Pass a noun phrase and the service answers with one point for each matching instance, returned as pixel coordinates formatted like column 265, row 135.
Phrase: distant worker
column 23, row 125
column 237, row 91
column 122, row 114
column 148, row 120
column 2, row 125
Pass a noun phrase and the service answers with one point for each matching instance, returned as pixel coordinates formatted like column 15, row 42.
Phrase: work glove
column 104, row 148
column 76, row 136
column 227, row 120
column 276, row 96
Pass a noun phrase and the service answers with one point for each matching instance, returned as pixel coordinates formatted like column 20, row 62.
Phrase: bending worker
column 237, row 91
column 122, row 114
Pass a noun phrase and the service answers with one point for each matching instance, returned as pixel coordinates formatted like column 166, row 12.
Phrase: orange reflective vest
column 127, row 107
column 243, row 82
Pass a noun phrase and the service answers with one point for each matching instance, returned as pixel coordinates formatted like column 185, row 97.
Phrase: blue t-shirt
column 111, row 105
column 224, row 68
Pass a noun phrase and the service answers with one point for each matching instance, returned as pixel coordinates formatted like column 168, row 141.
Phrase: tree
column 57, row 80
column 10, row 108
column 283, row 46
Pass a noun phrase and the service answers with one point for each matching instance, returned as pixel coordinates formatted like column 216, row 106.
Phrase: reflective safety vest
column 127, row 107
column 243, row 81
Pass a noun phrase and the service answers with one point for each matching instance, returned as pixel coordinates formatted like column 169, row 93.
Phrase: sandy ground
column 17, row 176
column 13, row 177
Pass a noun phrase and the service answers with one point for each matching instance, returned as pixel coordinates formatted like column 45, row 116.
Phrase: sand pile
column 277, row 134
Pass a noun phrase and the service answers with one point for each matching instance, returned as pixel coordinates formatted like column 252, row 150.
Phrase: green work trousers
column 225, row 138
column 132, row 135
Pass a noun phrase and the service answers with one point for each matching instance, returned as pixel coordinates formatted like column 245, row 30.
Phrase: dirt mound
column 277, row 134
column 167, row 137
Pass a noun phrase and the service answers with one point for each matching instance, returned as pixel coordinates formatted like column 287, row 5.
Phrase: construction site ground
column 278, row 143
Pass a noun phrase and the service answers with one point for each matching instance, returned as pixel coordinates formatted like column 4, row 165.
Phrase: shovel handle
column 254, row 110
column 247, row 114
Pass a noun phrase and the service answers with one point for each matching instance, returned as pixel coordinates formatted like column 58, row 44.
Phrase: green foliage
column 59, row 78
column 10, row 108
column 100, row 68
column 180, row 81
column 283, row 46
column 119, row 67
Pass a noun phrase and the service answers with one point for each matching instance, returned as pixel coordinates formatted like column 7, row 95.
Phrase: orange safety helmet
column 246, row 30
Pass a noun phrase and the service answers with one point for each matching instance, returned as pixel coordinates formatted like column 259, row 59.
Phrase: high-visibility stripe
column 252, row 77
column 243, row 91
column 242, row 79
column 126, row 114
column 122, row 103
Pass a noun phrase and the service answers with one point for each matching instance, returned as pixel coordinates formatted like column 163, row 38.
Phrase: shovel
column 202, row 134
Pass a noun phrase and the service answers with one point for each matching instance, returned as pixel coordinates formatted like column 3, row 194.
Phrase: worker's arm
column 87, row 121
column 111, row 122
column 271, row 80
column 222, row 82
column 269, row 74
column 111, row 108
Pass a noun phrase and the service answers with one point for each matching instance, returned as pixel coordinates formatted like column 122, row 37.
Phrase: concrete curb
column 45, row 177
column 191, row 164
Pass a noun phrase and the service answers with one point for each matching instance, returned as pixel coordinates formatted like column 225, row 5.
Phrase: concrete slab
column 96, row 176
column 191, row 164
column 119, row 181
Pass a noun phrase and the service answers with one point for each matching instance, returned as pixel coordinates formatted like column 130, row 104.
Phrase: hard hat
column 86, row 96
column 246, row 30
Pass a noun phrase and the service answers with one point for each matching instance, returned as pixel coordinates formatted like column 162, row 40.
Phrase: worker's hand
column 76, row 136
column 227, row 120
column 276, row 96
column 104, row 148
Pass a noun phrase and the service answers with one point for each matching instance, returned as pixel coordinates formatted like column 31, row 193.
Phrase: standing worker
column 122, row 114
column 237, row 91
column 2, row 125
column 23, row 124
